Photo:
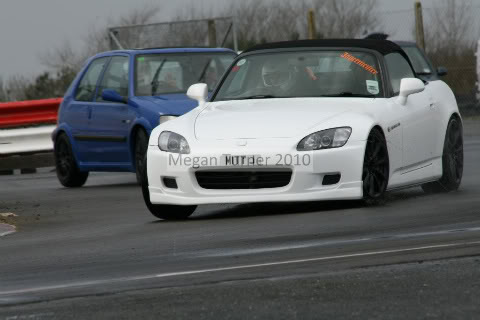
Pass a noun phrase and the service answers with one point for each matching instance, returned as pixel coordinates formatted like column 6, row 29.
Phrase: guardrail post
column 312, row 32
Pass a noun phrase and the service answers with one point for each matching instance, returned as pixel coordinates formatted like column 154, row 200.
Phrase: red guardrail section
column 25, row 113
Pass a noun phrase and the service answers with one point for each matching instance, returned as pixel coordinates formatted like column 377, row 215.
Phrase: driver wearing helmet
column 277, row 75
column 278, row 80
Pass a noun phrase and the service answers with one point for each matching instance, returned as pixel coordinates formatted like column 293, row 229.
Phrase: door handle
column 127, row 121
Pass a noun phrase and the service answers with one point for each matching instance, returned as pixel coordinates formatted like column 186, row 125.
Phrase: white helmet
column 276, row 74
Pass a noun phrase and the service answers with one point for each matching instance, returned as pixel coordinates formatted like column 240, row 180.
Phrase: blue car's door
column 79, row 110
column 111, row 121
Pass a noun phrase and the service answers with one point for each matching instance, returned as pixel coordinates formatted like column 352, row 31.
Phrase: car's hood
column 269, row 118
column 171, row 104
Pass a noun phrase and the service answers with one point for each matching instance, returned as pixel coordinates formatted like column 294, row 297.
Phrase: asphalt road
column 96, row 252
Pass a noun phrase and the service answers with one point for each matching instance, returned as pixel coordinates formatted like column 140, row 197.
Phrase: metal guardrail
column 26, row 140
column 27, row 113
column 25, row 134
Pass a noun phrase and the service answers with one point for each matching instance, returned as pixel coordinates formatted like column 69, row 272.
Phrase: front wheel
column 165, row 212
column 452, row 161
column 375, row 168
column 67, row 170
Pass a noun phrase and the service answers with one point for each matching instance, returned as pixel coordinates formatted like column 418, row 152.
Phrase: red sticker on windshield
column 235, row 69
column 359, row 62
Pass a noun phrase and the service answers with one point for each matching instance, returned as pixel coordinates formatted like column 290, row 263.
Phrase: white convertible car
column 306, row 121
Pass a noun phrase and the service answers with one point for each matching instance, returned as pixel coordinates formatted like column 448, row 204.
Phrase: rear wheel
column 165, row 212
column 375, row 168
column 67, row 170
column 141, row 145
column 452, row 160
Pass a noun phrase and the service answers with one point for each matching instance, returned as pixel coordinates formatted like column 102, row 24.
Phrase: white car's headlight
column 172, row 142
column 164, row 119
column 326, row 139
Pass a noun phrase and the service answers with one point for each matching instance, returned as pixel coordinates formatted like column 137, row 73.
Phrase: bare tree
column 283, row 20
column 3, row 92
column 62, row 57
column 345, row 18
column 193, row 32
column 15, row 88
column 131, row 37
column 97, row 40
column 450, row 39
column 450, row 27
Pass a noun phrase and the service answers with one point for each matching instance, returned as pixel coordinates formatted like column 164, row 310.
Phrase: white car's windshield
column 157, row 74
column 302, row 74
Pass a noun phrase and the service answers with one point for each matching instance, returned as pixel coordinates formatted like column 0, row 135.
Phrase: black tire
column 165, row 212
column 66, row 167
column 376, row 168
column 141, row 145
column 452, row 160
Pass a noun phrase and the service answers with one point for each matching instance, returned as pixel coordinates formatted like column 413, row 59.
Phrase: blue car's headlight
column 172, row 142
column 326, row 139
column 164, row 119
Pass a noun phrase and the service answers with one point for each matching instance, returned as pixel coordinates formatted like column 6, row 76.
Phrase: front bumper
column 305, row 184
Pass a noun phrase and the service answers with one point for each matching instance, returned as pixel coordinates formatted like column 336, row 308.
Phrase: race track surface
column 96, row 252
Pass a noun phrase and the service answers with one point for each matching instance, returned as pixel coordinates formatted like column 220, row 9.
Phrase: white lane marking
column 6, row 229
column 226, row 252
column 247, row 266
column 33, row 316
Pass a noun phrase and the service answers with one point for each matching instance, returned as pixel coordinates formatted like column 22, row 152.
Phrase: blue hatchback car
column 117, row 99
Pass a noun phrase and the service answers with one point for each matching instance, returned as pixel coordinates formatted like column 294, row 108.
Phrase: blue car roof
column 167, row 50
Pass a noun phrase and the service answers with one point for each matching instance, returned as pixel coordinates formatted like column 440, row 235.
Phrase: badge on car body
column 241, row 143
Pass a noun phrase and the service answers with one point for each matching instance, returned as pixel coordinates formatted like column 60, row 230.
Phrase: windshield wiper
column 350, row 94
column 204, row 70
column 260, row 96
column 424, row 73
column 155, row 81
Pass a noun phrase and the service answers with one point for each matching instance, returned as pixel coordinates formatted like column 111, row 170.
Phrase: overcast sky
column 28, row 28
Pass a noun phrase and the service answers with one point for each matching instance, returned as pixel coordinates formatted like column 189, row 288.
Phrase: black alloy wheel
column 452, row 160
column 375, row 168
column 67, row 170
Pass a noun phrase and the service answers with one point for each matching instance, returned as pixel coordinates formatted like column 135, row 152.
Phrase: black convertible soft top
column 382, row 46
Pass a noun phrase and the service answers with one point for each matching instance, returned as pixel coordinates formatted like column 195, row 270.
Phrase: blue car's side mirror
column 442, row 71
column 113, row 96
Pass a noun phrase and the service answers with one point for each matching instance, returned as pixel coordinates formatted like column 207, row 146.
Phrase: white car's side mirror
column 409, row 86
column 199, row 92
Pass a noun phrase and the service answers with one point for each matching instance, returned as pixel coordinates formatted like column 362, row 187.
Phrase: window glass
column 398, row 68
column 303, row 74
column 116, row 77
column 418, row 60
column 157, row 74
column 86, row 88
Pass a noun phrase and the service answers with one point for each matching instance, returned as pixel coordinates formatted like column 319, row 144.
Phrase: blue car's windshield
column 158, row 74
column 302, row 74
column 418, row 60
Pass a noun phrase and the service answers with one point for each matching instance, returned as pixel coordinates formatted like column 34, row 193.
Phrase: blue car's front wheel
column 67, row 170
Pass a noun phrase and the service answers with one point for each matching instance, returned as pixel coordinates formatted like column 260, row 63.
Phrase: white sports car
column 304, row 121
